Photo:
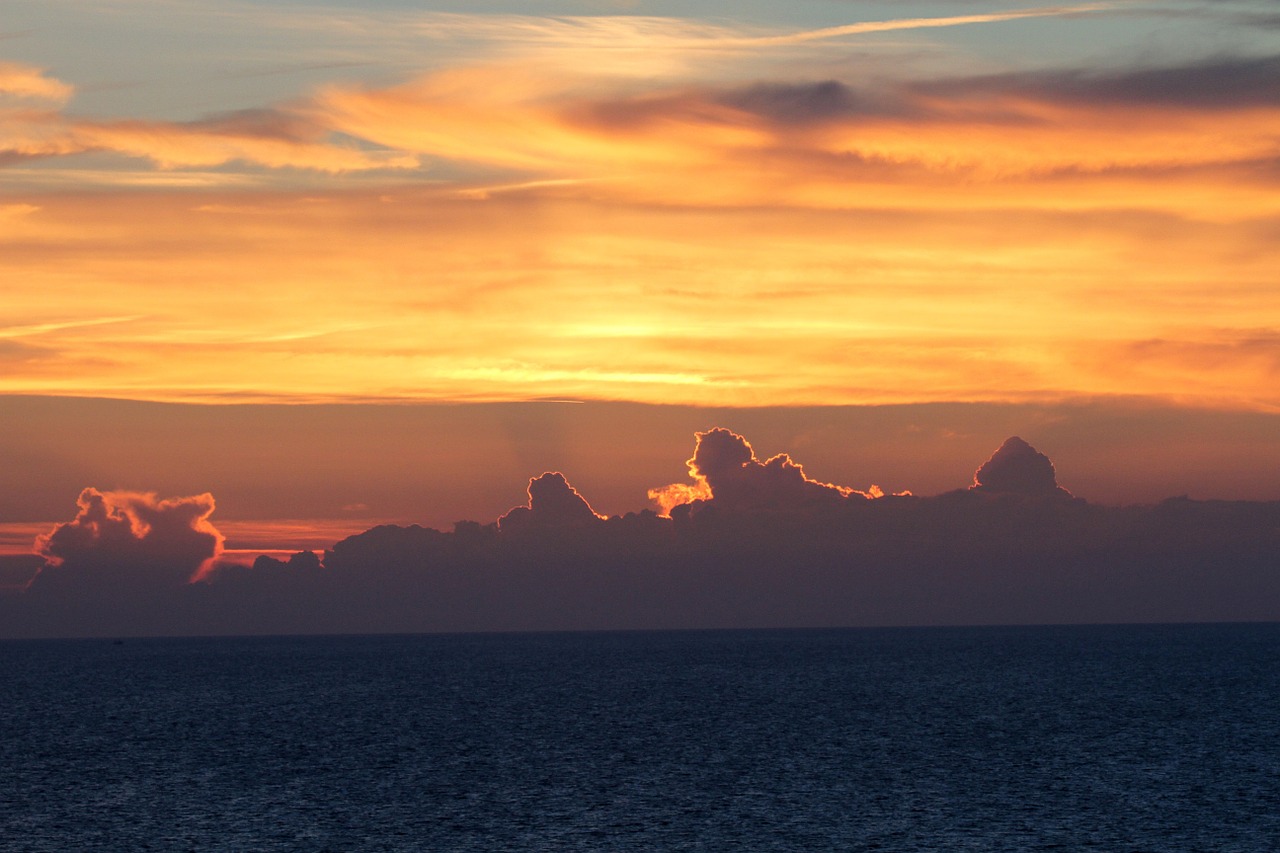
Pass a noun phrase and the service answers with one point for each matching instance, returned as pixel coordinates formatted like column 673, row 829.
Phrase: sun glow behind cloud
column 623, row 208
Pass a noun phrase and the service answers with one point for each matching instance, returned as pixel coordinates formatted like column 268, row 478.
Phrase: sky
column 347, row 264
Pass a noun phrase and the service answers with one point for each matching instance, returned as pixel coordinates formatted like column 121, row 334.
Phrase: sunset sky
column 383, row 261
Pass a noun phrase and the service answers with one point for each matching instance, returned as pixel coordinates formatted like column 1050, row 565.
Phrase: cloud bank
column 748, row 543
column 1059, row 138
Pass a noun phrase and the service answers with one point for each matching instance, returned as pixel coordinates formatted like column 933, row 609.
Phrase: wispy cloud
column 1067, row 139
column 866, row 27
column 527, row 190
column 32, row 329
column 27, row 82
column 274, row 139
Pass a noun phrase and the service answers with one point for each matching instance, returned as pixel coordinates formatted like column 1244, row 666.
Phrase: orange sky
column 551, row 215
column 407, row 294
column 825, row 205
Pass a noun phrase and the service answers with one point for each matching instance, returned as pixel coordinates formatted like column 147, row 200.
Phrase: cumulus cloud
column 1017, row 467
column 128, row 538
column 553, row 504
column 725, row 470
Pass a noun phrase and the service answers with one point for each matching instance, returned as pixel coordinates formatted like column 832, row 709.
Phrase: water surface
column 1150, row 738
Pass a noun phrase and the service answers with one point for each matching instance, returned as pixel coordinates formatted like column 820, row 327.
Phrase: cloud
column 275, row 139
column 1018, row 468
column 921, row 23
column 28, row 83
column 17, row 570
column 127, row 538
column 726, row 472
column 1218, row 85
column 1042, row 139
column 1066, row 138
column 770, row 547
column 615, row 41
column 272, row 137
column 553, row 504
column 783, row 104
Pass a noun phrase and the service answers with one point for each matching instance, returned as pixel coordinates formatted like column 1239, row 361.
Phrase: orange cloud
column 1162, row 138
column 1044, row 141
column 130, row 538
column 26, row 82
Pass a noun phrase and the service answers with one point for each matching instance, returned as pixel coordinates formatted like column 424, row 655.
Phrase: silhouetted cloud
column 761, row 545
column 553, row 503
column 130, row 537
column 17, row 570
column 1019, row 468
column 725, row 471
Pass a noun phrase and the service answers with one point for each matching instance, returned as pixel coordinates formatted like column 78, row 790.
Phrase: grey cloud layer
column 766, row 546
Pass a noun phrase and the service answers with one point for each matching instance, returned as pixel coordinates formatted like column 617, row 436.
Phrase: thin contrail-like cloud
column 916, row 24
column 8, row 332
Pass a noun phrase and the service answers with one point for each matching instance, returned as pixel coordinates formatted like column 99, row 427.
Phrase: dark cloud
column 760, row 544
column 726, row 473
column 777, row 105
column 1019, row 468
column 814, row 103
column 553, row 503
column 262, row 124
column 1218, row 84
column 17, row 570
column 1224, row 83
column 122, row 538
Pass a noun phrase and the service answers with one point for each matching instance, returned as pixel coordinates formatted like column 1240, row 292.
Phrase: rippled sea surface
column 1153, row 738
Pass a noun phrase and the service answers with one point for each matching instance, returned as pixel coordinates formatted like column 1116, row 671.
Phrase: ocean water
column 1138, row 738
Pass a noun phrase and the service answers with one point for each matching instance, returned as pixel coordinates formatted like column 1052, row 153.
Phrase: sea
column 1155, row 738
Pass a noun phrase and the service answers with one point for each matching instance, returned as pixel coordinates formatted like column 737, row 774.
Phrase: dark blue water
column 1092, row 738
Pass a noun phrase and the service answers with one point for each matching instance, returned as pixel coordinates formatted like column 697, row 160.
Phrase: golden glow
column 416, row 295
column 618, row 208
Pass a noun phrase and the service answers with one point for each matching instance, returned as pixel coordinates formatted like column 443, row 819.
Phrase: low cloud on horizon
column 745, row 543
